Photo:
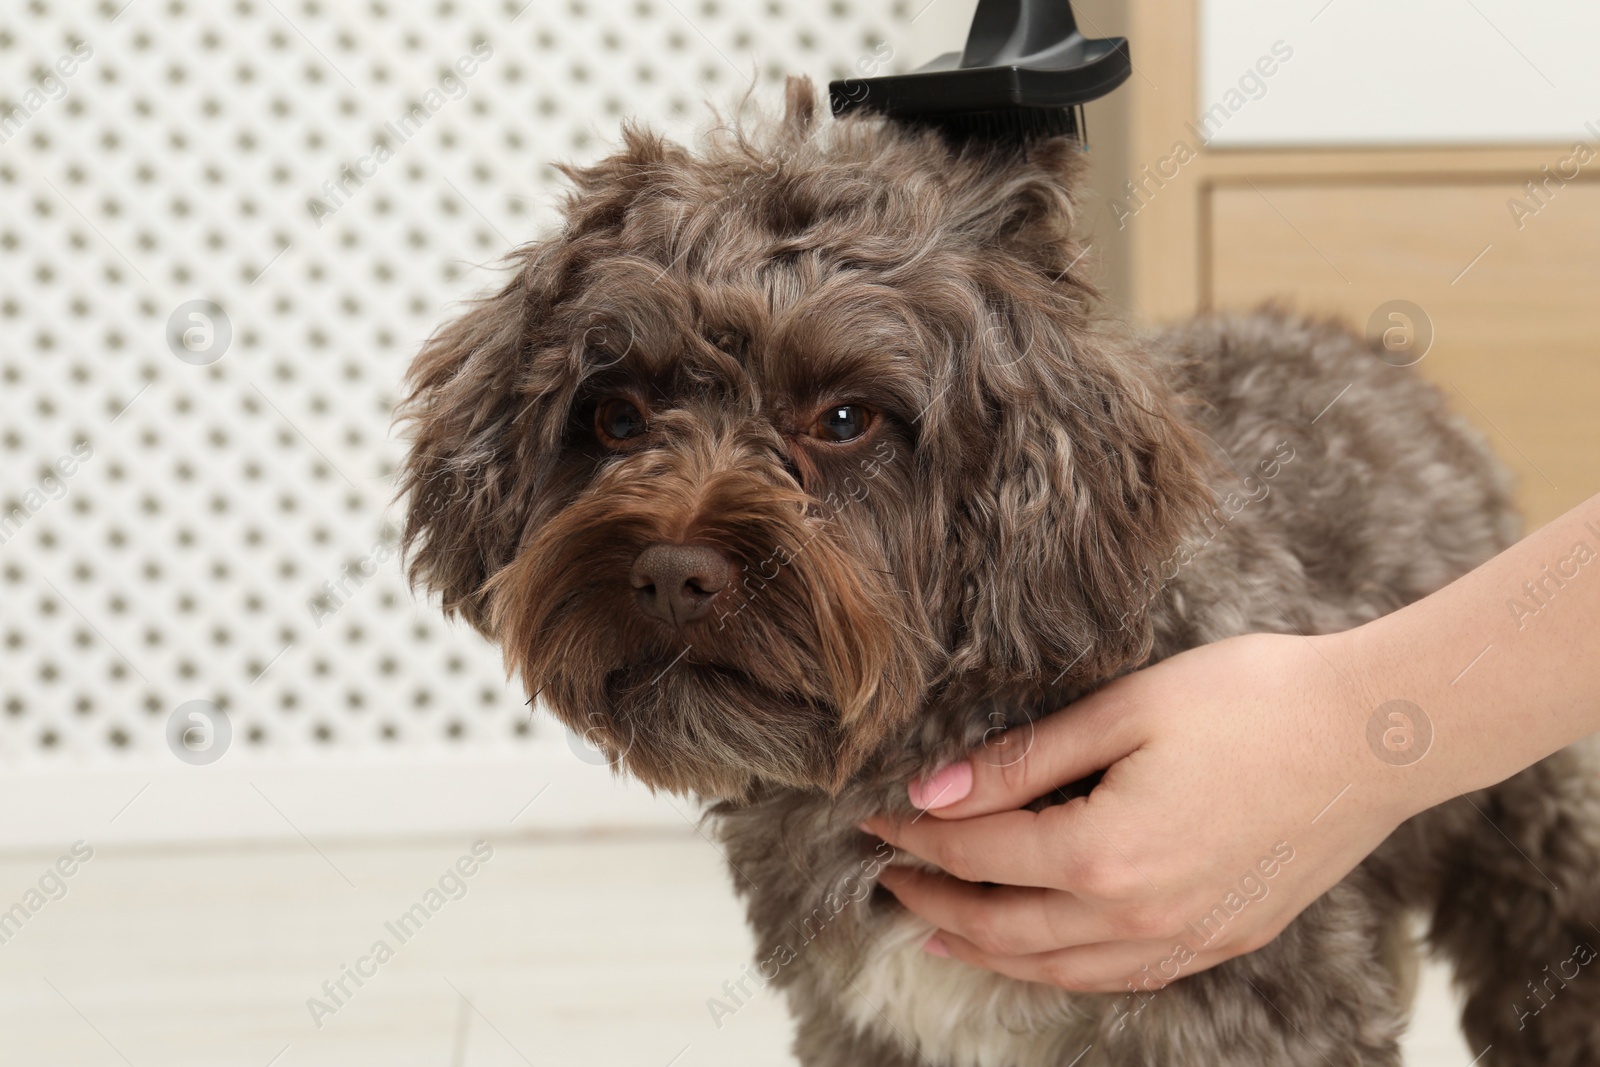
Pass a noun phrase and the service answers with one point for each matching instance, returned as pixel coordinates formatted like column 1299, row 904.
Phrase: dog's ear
column 464, row 477
column 1089, row 482
column 1019, row 199
column 1081, row 474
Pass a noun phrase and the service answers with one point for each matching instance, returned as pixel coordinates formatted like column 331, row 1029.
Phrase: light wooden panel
column 1517, row 326
column 1164, row 235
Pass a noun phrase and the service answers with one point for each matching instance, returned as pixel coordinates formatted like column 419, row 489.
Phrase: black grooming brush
column 1026, row 72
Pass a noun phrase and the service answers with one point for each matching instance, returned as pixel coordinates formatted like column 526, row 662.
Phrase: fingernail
column 935, row 946
column 942, row 788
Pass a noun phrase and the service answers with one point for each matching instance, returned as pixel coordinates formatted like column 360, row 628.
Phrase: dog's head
column 776, row 436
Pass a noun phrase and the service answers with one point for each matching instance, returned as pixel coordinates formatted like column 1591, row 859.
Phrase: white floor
column 561, row 951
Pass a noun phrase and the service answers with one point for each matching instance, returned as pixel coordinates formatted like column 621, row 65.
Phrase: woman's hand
column 1241, row 787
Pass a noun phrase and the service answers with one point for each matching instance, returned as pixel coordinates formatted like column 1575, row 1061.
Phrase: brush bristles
column 1013, row 124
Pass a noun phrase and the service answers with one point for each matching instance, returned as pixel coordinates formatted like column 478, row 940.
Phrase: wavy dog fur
column 1045, row 500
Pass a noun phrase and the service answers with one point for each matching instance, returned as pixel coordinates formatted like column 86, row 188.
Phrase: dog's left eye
column 843, row 422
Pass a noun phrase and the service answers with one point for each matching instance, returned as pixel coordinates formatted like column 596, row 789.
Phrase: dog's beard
column 799, row 671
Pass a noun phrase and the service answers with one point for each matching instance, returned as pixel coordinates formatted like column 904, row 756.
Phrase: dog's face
column 773, row 439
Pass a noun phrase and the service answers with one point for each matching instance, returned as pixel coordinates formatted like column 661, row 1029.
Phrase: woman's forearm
column 1504, row 664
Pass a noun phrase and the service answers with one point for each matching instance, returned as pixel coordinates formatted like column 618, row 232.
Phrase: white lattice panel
column 185, row 499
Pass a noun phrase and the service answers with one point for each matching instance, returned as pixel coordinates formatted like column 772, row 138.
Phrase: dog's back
column 1348, row 486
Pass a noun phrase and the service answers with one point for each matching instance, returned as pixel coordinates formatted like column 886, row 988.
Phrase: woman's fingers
column 1013, row 847
column 1000, row 920
column 1017, row 766
column 1057, row 848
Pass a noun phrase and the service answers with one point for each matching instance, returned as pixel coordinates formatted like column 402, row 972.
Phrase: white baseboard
column 326, row 800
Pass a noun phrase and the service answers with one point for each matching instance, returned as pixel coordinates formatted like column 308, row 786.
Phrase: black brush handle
column 1009, row 31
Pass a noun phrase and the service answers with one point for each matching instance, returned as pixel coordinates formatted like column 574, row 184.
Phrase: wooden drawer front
column 1515, row 309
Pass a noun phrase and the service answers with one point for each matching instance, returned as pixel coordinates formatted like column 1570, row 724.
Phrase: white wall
column 1418, row 71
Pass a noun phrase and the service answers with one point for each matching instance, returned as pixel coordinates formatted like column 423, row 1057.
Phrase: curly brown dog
column 796, row 463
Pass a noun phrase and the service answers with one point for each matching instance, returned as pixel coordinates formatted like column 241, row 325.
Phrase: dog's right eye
column 617, row 420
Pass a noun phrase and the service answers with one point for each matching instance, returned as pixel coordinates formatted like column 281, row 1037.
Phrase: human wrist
column 1388, row 715
column 1397, row 659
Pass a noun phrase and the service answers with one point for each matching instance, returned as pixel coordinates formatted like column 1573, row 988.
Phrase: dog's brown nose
column 676, row 583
